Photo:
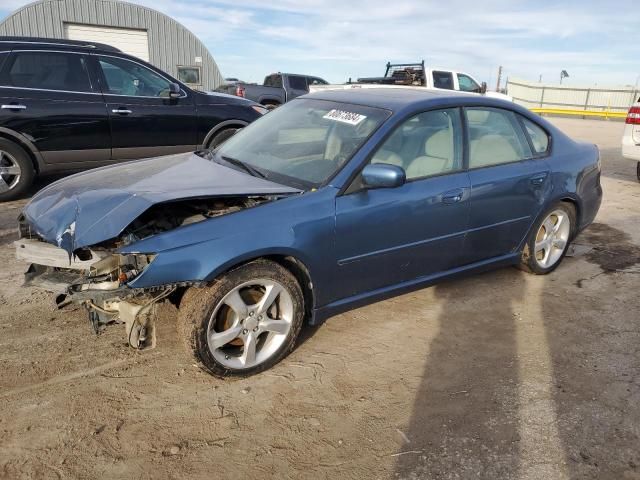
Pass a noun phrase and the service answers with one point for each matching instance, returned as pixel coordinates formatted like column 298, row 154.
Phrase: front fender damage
column 98, row 276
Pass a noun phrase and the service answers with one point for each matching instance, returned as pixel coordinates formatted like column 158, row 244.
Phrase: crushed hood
column 97, row 205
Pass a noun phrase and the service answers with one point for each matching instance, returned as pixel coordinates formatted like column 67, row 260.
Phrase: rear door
column 144, row 121
column 510, row 180
column 49, row 97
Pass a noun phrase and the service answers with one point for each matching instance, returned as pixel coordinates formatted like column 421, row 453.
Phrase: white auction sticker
column 345, row 117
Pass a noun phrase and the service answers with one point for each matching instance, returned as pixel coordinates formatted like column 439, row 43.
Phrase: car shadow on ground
column 465, row 416
column 533, row 376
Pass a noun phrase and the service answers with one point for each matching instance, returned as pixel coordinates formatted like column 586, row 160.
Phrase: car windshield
column 303, row 143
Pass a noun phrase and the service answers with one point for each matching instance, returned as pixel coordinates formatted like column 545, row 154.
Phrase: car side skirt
column 321, row 314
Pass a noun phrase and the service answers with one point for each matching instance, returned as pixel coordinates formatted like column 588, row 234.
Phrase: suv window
column 539, row 138
column 47, row 71
column 425, row 145
column 443, row 80
column 467, row 84
column 298, row 83
column 273, row 81
column 495, row 137
column 125, row 77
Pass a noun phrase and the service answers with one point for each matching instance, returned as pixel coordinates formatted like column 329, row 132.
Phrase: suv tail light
column 633, row 117
column 240, row 91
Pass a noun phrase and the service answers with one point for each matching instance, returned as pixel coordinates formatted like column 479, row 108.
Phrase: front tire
column 549, row 239
column 16, row 171
column 245, row 322
column 222, row 136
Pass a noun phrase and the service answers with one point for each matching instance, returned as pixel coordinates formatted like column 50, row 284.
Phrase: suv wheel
column 16, row 170
column 245, row 322
column 222, row 136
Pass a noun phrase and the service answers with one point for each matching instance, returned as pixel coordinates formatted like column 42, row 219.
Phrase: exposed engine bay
column 97, row 276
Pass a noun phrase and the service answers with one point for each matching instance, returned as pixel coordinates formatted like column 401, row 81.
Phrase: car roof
column 396, row 98
column 50, row 43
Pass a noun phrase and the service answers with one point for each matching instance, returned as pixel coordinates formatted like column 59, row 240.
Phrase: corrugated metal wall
column 540, row 95
column 170, row 43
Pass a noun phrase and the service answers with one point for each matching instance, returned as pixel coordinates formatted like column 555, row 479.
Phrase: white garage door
column 133, row 42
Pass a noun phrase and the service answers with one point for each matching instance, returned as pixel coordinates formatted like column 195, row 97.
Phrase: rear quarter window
column 538, row 136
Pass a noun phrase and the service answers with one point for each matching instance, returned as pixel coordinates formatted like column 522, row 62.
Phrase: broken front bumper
column 98, row 281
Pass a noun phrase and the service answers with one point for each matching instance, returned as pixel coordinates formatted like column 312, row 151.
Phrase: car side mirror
column 383, row 175
column 174, row 91
column 483, row 87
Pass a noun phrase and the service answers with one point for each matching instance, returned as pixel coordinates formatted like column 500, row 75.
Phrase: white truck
column 631, row 136
column 416, row 75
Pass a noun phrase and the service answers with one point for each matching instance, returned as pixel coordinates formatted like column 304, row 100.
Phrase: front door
column 49, row 97
column 144, row 121
column 510, row 180
column 388, row 236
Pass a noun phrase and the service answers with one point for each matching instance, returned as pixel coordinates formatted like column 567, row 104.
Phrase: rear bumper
column 630, row 149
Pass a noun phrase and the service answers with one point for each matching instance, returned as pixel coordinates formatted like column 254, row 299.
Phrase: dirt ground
column 502, row 375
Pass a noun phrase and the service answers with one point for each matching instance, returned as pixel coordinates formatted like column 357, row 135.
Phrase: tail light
column 633, row 117
column 239, row 91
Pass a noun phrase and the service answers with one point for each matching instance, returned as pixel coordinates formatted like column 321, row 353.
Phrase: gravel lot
column 502, row 375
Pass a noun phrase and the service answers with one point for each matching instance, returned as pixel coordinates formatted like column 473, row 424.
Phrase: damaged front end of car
column 98, row 276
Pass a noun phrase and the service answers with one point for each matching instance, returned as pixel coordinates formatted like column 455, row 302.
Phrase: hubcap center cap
column 250, row 323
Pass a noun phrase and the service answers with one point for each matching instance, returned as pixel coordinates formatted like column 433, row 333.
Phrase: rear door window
column 298, row 83
column 495, row 137
column 443, row 80
column 47, row 71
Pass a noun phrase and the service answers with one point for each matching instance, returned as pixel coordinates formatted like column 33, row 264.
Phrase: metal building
column 134, row 29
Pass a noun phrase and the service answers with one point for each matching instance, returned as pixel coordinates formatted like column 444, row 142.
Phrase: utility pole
column 499, row 78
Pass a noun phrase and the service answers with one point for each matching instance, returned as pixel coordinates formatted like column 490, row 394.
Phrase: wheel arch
column 573, row 201
column 270, row 101
column 235, row 123
column 26, row 145
column 289, row 260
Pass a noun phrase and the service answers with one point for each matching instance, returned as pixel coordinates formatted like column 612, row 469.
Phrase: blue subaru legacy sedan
column 335, row 200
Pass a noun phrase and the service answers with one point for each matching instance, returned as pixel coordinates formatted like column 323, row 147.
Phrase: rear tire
column 222, row 136
column 245, row 322
column 549, row 239
column 16, row 170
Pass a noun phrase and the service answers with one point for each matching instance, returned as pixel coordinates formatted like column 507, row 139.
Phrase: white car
column 631, row 137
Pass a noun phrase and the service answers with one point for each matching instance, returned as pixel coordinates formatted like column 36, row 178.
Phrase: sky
column 594, row 41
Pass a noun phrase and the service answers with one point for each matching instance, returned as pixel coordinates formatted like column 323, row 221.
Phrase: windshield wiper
column 246, row 167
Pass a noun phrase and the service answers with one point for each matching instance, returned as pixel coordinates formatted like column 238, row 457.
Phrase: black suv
column 68, row 105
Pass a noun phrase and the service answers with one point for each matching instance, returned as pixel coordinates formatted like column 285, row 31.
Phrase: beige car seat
column 438, row 157
column 491, row 150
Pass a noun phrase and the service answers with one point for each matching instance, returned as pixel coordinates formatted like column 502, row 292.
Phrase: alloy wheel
column 10, row 172
column 250, row 323
column 552, row 238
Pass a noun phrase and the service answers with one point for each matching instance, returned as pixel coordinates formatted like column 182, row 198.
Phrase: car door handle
column 453, row 196
column 13, row 107
column 121, row 111
column 539, row 179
